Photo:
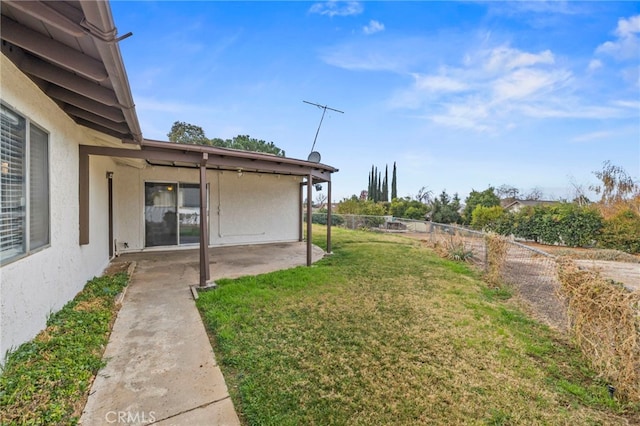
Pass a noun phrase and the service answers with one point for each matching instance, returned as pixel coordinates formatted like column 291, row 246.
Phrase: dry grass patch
column 605, row 320
column 497, row 247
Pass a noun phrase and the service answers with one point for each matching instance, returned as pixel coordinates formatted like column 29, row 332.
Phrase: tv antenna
column 315, row 156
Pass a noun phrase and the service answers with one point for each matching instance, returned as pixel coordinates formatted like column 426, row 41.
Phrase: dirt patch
column 116, row 268
column 626, row 273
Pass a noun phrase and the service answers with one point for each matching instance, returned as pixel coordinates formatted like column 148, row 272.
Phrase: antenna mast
column 324, row 108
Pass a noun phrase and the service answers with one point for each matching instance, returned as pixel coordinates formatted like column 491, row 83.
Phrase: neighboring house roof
column 517, row 204
column 70, row 50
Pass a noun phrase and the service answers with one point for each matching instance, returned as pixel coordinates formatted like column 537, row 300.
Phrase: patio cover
column 208, row 157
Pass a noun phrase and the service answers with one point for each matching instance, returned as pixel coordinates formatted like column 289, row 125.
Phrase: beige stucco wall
column 247, row 209
column 40, row 283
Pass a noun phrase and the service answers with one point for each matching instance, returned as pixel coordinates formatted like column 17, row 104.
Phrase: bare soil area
column 626, row 273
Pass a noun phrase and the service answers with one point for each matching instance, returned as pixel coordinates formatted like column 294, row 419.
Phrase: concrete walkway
column 160, row 366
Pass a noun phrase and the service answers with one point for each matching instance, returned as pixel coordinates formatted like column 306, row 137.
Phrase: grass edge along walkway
column 47, row 380
column 385, row 332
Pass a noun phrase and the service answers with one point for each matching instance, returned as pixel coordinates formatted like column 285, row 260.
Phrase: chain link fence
column 530, row 272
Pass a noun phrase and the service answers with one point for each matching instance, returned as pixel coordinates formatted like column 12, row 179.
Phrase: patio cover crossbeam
column 223, row 161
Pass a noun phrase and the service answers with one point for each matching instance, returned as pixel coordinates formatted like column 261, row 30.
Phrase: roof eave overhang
column 92, row 89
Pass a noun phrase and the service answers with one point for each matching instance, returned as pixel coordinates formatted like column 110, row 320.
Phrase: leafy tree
column 616, row 184
column 424, row 195
column 186, row 133
column 486, row 217
column 486, row 198
column 356, row 206
column 394, row 183
column 247, row 143
column 507, row 192
column 445, row 209
column 408, row 208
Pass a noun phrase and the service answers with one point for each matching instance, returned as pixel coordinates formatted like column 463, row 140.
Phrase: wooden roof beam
column 104, row 122
column 73, row 98
column 46, row 13
column 52, row 50
column 68, row 80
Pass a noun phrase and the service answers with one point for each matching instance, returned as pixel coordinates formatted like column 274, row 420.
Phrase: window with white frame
column 24, row 186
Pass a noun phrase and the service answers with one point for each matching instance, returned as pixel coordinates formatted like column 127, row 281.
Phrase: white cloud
column 337, row 8
column 505, row 58
column 524, row 83
column 595, row 64
column 438, row 83
column 489, row 89
column 627, row 44
column 373, row 27
column 376, row 54
column 592, row 136
column 471, row 114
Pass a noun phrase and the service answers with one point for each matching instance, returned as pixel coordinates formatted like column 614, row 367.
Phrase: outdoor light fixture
column 170, row 188
column 239, row 172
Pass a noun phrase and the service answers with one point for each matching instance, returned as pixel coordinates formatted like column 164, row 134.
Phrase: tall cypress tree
column 374, row 188
column 379, row 187
column 394, row 184
column 385, row 184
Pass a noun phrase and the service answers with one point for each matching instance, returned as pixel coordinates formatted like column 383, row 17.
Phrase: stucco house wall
column 35, row 285
column 243, row 209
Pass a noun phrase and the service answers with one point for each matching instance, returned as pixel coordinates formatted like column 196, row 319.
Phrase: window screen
column 24, row 186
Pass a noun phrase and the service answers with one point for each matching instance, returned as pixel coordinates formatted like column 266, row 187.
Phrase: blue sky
column 461, row 95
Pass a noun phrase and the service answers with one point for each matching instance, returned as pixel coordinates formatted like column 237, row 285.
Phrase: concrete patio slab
column 161, row 368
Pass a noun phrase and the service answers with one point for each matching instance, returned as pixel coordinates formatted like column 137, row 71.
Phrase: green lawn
column 385, row 332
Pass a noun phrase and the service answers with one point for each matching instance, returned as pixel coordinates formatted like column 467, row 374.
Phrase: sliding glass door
column 160, row 209
column 172, row 214
column 189, row 213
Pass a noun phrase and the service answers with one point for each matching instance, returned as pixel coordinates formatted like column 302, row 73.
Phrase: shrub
column 484, row 217
column 321, row 219
column 621, row 232
column 453, row 247
column 565, row 223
